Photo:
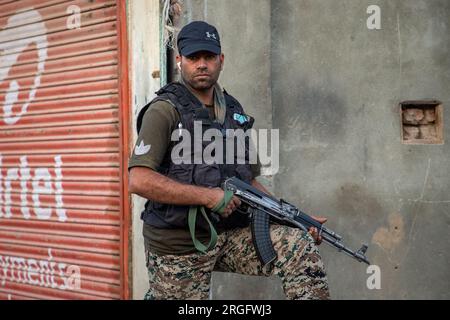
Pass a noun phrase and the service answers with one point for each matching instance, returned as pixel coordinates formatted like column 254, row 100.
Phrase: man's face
column 201, row 70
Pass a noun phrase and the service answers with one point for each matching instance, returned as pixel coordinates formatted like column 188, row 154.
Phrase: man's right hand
column 216, row 195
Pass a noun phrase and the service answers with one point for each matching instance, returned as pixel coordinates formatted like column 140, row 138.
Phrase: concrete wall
column 313, row 70
column 334, row 88
column 144, row 49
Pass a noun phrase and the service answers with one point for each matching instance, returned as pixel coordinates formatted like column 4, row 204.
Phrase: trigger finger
column 319, row 240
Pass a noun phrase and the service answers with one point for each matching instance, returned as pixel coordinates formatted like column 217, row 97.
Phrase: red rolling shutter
column 61, row 150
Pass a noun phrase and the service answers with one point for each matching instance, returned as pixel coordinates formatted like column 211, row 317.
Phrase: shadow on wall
column 314, row 110
column 308, row 117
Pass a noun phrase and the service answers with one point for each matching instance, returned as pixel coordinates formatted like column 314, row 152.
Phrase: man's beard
column 202, row 85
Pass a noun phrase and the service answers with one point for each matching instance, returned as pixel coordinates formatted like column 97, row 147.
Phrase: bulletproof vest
column 191, row 110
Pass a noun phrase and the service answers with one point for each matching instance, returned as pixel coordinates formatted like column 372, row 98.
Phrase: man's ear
column 178, row 59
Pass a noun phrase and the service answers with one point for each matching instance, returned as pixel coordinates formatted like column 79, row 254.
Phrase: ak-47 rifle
column 263, row 208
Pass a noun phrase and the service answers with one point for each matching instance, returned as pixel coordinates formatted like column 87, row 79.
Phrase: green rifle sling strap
column 192, row 218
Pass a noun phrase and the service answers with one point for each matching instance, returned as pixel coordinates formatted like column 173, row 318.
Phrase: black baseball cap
column 198, row 36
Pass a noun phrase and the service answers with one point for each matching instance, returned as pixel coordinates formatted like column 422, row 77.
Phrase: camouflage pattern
column 298, row 264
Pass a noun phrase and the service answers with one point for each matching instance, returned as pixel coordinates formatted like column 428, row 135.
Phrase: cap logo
column 211, row 35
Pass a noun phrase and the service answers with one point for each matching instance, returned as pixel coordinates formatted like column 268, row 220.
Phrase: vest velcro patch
column 241, row 118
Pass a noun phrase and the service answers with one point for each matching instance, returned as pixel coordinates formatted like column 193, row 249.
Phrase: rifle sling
column 192, row 218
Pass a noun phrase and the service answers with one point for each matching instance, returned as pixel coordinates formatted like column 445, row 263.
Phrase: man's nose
column 201, row 63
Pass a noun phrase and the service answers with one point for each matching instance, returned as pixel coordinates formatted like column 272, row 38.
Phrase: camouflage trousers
column 298, row 264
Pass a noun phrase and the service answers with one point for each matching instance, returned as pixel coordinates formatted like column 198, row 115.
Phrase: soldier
column 178, row 261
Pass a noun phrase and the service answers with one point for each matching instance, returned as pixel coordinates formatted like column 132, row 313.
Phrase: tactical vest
column 190, row 109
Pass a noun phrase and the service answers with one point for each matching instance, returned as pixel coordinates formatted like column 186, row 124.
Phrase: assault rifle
column 262, row 208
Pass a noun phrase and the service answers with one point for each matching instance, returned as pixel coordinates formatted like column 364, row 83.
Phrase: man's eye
column 193, row 58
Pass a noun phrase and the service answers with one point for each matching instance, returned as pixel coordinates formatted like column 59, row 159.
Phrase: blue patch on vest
column 241, row 118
